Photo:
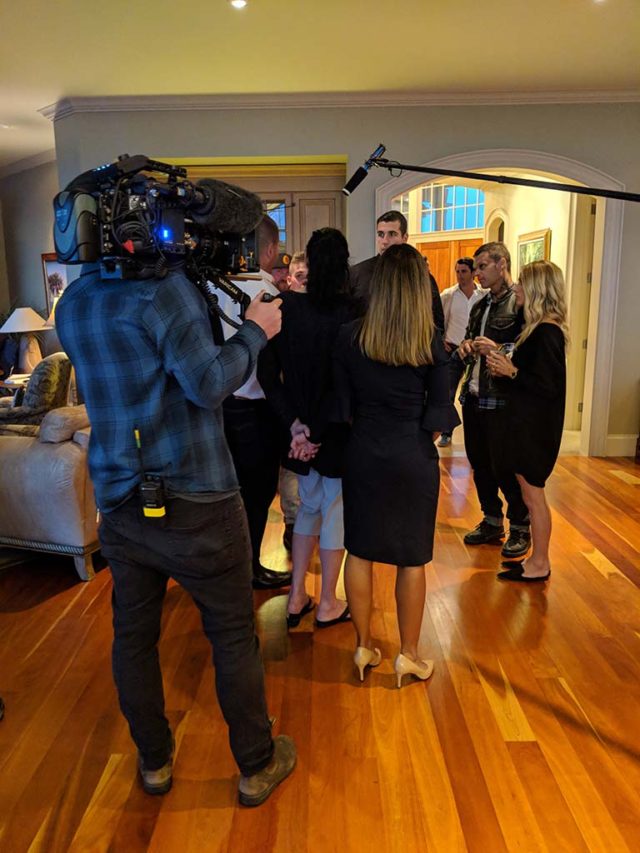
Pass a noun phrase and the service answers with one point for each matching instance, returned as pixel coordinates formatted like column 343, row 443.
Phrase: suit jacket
column 360, row 278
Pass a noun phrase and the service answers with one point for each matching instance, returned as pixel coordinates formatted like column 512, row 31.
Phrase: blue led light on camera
column 165, row 233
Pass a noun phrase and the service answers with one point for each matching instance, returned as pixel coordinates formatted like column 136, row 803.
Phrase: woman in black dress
column 295, row 371
column 534, row 414
column 392, row 381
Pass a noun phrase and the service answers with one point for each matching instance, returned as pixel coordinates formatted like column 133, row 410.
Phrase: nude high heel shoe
column 403, row 665
column 365, row 657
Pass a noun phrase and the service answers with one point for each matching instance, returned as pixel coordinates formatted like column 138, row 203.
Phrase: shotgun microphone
column 362, row 171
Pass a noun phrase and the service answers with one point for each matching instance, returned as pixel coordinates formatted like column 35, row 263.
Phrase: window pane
column 278, row 212
column 437, row 197
column 472, row 196
column 448, row 219
column 459, row 196
column 481, row 214
column 449, row 192
column 426, row 222
column 471, row 217
column 458, row 218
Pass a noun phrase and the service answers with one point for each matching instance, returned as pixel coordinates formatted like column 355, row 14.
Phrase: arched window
column 450, row 208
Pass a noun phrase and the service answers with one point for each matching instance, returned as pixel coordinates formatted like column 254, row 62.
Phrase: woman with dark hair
column 295, row 372
column 534, row 414
column 393, row 383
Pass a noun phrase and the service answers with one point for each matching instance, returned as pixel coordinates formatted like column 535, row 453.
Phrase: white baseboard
column 570, row 444
column 621, row 445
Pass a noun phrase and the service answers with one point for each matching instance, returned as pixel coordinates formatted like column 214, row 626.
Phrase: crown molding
column 40, row 159
column 304, row 100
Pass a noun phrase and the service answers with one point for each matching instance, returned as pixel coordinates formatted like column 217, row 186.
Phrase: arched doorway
column 605, row 270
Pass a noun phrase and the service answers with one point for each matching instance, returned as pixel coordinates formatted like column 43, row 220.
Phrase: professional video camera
column 138, row 225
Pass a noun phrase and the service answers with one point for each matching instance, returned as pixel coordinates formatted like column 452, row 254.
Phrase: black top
column 535, row 404
column 391, row 476
column 295, row 372
column 360, row 281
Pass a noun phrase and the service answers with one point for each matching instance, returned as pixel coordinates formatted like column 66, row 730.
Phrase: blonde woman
column 535, row 405
column 392, row 382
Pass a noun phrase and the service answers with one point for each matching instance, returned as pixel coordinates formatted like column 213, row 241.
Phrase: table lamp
column 24, row 321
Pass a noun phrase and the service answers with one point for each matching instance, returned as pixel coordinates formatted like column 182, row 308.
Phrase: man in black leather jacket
column 493, row 322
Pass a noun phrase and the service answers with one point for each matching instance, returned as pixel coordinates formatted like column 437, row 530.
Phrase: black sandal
column 293, row 619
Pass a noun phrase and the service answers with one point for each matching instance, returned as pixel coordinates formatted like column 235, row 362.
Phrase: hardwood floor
column 526, row 738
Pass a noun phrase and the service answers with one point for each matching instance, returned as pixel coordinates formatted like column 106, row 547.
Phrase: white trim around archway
column 606, row 263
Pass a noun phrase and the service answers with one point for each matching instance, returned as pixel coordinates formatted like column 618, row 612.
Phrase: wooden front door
column 443, row 255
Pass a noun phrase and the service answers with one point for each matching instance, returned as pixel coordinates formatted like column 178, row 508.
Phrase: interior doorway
column 605, row 256
column 301, row 197
column 443, row 254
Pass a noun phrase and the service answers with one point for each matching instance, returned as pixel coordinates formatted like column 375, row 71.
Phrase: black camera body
column 139, row 218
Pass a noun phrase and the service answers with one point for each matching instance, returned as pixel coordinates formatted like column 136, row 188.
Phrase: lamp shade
column 24, row 320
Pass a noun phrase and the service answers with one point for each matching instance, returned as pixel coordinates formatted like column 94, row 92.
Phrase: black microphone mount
column 394, row 166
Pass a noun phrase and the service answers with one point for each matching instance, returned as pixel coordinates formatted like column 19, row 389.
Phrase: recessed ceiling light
column 238, row 4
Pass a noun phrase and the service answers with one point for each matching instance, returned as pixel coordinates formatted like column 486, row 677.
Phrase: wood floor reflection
column 526, row 738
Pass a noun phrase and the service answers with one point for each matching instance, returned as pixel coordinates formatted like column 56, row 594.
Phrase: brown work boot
column 254, row 790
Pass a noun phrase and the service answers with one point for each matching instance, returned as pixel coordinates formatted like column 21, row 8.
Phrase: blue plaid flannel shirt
column 145, row 358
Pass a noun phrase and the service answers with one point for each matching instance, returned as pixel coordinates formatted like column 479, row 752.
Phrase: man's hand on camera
column 267, row 315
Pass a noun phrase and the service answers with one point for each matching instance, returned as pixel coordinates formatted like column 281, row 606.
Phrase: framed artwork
column 55, row 279
column 535, row 246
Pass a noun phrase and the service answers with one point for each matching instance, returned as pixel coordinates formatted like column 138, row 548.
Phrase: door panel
column 312, row 211
column 443, row 255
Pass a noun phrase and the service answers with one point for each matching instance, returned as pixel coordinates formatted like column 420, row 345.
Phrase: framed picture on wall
column 535, row 246
column 55, row 279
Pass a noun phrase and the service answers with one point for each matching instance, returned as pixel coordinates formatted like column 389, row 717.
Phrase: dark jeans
column 483, row 443
column 253, row 435
column 456, row 369
column 205, row 548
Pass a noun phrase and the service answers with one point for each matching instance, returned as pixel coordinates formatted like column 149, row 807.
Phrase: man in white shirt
column 457, row 302
column 251, row 428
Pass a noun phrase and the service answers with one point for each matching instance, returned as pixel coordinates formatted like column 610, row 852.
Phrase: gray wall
column 25, row 198
column 604, row 136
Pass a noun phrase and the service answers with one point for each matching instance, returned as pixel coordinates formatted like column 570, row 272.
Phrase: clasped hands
column 301, row 448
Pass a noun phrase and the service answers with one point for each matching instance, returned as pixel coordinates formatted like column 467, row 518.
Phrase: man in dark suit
column 391, row 228
column 251, row 428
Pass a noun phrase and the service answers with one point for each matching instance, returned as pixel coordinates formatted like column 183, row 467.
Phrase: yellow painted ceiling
column 51, row 49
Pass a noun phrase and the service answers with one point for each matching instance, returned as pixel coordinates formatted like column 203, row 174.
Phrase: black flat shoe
column 345, row 616
column 517, row 574
column 293, row 619
column 512, row 564
column 264, row 578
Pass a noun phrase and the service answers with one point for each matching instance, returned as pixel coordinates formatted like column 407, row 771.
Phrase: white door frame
column 606, row 264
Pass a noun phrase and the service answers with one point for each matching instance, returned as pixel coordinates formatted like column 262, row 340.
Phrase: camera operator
column 154, row 398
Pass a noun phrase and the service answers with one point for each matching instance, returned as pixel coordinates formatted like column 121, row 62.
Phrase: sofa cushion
column 19, row 429
column 82, row 436
column 60, row 424
column 49, row 383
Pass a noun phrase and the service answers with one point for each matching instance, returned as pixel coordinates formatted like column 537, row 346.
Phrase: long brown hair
column 398, row 326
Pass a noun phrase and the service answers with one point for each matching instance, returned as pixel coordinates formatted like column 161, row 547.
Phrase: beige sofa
column 46, row 496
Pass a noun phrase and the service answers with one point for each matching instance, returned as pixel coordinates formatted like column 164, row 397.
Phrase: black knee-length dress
column 391, row 475
column 534, row 414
